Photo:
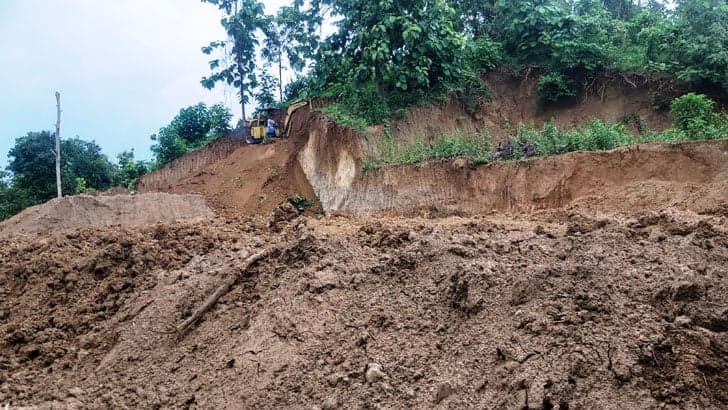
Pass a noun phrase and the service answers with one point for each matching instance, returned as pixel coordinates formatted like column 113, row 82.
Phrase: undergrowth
column 528, row 141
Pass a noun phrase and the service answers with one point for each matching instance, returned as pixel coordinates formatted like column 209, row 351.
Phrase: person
column 271, row 128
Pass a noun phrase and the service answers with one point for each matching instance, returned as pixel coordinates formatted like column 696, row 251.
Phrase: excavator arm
column 289, row 113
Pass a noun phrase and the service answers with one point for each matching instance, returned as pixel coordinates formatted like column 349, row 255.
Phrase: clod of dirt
column 331, row 403
column 282, row 215
column 523, row 291
column 374, row 373
column 444, row 391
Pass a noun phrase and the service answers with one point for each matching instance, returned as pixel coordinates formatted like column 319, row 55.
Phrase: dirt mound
column 562, row 312
column 81, row 211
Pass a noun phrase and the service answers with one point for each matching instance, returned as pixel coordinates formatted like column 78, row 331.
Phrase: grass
column 528, row 141
column 339, row 113
column 476, row 147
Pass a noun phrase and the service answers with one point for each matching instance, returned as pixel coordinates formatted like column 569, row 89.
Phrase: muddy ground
column 555, row 310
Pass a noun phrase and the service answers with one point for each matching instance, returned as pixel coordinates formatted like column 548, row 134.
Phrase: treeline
column 388, row 55
column 30, row 178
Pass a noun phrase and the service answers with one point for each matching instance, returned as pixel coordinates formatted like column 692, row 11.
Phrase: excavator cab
column 258, row 126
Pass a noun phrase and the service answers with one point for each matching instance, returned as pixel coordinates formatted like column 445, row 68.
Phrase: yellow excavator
column 259, row 129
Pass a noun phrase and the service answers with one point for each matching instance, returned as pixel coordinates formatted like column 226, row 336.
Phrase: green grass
column 528, row 141
column 340, row 114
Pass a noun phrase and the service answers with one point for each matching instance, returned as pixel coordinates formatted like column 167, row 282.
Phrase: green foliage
column 242, row 20
column 130, row 170
column 397, row 44
column 299, row 202
column 475, row 147
column 265, row 93
column 191, row 128
column 692, row 111
column 481, row 54
column 528, row 141
column 554, row 87
column 341, row 114
column 701, row 42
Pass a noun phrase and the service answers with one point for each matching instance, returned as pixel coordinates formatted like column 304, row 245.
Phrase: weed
column 299, row 202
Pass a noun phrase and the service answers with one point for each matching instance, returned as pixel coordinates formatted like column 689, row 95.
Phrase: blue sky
column 124, row 67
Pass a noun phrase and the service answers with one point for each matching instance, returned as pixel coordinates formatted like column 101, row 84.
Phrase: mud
column 557, row 311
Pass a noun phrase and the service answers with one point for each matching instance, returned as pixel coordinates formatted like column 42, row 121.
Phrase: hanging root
column 221, row 291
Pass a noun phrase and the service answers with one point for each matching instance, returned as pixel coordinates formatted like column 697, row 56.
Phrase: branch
column 221, row 291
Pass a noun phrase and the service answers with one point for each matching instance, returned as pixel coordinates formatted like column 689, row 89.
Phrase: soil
column 559, row 310
column 590, row 280
column 106, row 210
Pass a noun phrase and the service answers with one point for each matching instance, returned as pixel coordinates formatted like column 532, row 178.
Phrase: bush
column 482, row 55
column 693, row 113
column 553, row 87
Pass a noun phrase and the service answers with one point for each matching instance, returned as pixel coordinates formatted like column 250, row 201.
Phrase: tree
column 242, row 21
column 32, row 161
column 476, row 16
column 264, row 94
column 191, row 128
column 397, row 44
column 701, row 49
column 130, row 170
column 292, row 33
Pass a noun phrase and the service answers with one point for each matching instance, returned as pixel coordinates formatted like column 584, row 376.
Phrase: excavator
column 257, row 128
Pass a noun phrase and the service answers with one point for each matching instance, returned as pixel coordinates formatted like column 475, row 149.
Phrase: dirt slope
column 80, row 211
column 557, row 311
column 239, row 179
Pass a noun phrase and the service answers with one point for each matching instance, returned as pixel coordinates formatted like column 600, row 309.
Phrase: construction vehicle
column 259, row 125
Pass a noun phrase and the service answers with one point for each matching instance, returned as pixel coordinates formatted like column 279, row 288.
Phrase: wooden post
column 58, row 144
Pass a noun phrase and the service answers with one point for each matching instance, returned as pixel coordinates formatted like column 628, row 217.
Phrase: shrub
column 693, row 113
column 553, row 87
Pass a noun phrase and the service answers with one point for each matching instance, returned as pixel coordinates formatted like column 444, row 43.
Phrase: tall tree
column 265, row 96
column 292, row 34
column 398, row 44
column 242, row 20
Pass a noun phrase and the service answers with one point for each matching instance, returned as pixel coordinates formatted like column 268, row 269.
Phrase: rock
column 683, row 321
column 444, row 391
column 686, row 291
column 323, row 280
column 75, row 392
column 331, row 403
column 374, row 373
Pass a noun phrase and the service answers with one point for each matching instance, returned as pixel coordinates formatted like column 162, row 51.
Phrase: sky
column 124, row 68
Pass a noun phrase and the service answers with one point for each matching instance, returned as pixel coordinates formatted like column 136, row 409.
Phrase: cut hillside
column 240, row 179
column 324, row 162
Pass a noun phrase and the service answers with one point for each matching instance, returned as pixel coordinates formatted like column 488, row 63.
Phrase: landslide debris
column 552, row 311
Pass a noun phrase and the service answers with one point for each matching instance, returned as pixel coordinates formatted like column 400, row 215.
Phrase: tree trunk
column 280, row 74
column 58, row 144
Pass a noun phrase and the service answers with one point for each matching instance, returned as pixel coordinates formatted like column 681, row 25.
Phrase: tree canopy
column 191, row 128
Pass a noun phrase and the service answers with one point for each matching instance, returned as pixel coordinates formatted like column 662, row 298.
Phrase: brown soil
column 106, row 210
column 557, row 311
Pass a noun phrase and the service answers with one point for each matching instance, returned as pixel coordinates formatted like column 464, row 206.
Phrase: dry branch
column 221, row 291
